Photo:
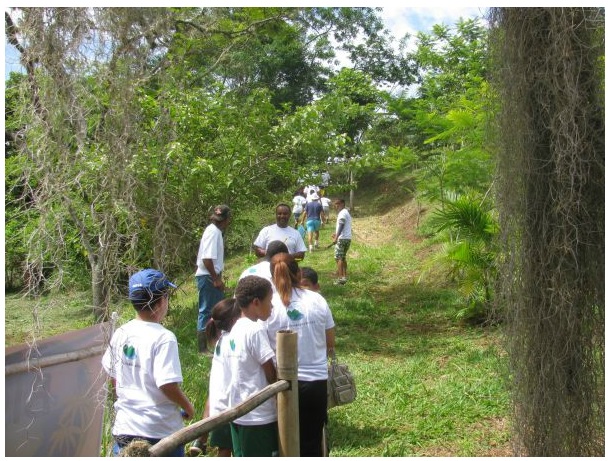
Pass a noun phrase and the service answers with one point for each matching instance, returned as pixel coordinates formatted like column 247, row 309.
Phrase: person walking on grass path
column 280, row 231
column 144, row 367
column 342, row 238
column 313, row 216
column 326, row 203
column 299, row 202
column 210, row 264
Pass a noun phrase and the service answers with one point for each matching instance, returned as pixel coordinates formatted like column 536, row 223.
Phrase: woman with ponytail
column 307, row 313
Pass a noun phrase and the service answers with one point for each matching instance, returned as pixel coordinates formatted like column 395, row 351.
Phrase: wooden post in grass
column 288, row 403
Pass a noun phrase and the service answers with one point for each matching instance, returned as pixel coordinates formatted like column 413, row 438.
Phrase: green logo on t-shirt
column 129, row 351
column 232, row 344
column 294, row 314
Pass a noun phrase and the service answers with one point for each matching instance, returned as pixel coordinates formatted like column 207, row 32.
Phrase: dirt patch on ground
column 488, row 430
column 382, row 229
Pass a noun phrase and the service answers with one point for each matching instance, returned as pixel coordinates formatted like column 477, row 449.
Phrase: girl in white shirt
column 224, row 315
column 307, row 313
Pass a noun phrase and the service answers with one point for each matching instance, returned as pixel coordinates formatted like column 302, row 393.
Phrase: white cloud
column 411, row 20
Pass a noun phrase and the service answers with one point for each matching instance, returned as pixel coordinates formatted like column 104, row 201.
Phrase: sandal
column 198, row 448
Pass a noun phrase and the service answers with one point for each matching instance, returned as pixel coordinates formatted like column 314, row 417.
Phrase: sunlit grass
column 427, row 385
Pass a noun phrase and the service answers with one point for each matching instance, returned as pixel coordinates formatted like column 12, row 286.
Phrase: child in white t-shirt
column 224, row 315
column 307, row 313
column 143, row 364
column 248, row 367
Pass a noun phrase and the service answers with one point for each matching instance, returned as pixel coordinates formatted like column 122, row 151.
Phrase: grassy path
column 427, row 385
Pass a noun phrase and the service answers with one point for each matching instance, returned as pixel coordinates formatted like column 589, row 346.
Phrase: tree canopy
column 129, row 124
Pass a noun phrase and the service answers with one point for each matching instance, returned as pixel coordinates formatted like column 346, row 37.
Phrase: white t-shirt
column 344, row 216
column 308, row 191
column 262, row 270
column 298, row 203
column 326, row 201
column 290, row 236
column 142, row 356
column 309, row 315
column 243, row 350
column 211, row 247
column 218, row 398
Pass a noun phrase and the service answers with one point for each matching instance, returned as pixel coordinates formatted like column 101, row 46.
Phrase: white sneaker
column 310, row 248
column 316, row 244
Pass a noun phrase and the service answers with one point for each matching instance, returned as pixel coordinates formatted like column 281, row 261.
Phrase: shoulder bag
column 341, row 388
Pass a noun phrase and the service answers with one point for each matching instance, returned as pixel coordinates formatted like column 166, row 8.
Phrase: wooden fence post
column 288, row 403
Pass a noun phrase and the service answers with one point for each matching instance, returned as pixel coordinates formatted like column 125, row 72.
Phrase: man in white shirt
column 342, row 238
column 210, row 264
column 283, row 232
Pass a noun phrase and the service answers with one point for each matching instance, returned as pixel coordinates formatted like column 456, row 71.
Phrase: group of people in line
column 239, row 332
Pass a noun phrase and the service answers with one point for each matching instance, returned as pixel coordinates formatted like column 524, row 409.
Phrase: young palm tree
column 470, row 251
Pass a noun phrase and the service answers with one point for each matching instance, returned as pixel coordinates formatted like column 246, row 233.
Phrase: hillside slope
column 427, row 385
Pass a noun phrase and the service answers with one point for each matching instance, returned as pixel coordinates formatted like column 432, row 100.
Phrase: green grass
column 427, row 385
column 27, row 318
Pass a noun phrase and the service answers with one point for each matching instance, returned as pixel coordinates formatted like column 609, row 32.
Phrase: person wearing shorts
column 259, row 440
column 325, row 202
column 314, row 217
column 299, row 202
column 342, row 237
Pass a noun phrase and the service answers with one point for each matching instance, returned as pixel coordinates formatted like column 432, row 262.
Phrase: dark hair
column 250, row 288
column 224, row 314
column 148, row 299
column 275, row 247
column 340, row 200
column 283, row 205
column 310, row 274
column 285, row 274
column 220, row 213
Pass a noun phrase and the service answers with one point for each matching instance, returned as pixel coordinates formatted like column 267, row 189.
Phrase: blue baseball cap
column 146, row 282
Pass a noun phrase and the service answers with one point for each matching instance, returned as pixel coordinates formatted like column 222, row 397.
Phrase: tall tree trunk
column 551, row 167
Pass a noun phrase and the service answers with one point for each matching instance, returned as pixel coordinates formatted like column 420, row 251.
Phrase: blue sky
column 400, row 20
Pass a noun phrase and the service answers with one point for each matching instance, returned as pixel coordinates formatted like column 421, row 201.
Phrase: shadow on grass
column 403, row 319
column 347, row 438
